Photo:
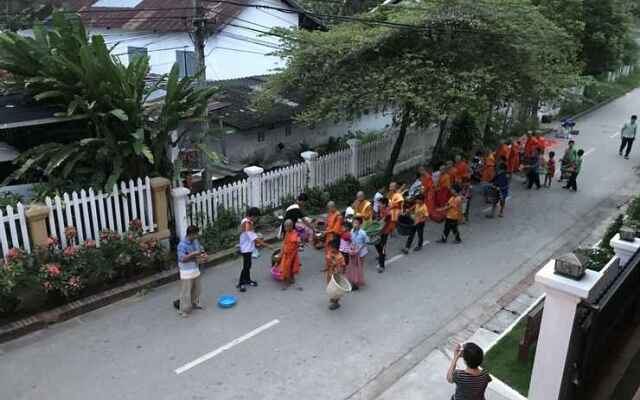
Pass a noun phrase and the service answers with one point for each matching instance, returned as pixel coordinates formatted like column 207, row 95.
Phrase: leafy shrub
column 14, row 274
column 343, row 192
column 611, row 231
column 595, row 258
column 9, row 199
column 222, row 233
column 316, row 200
column 633, row 212
column 68, row 271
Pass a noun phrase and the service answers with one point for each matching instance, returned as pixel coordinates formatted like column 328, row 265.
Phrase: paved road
column 131, row 350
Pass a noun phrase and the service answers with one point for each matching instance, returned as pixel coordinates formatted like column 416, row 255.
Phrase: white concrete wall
column 242, row 145
column 232, row 53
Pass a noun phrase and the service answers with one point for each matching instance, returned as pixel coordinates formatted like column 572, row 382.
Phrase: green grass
column 502, row 361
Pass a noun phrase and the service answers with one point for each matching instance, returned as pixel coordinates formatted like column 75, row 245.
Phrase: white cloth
column 189, row 274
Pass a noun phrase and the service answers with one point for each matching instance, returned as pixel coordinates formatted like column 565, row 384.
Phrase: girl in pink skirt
column 355, row 269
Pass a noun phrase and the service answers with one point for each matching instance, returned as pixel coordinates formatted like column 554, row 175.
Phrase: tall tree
column 606, row 34
column 424, row 65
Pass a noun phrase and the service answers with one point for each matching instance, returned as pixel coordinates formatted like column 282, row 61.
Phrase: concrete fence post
column 311, row 159
column 180, row 197
column 255, row 185
column 624, row 250
column 37, row 221
column 354, row 144
column 562, row 296
column 159, row 187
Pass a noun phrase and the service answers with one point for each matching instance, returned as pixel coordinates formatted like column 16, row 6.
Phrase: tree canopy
column 426, row 63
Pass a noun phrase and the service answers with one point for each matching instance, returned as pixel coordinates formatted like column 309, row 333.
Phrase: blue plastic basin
column 227, row 301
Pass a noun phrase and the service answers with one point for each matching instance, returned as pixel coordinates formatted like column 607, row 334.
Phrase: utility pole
column 199, row 40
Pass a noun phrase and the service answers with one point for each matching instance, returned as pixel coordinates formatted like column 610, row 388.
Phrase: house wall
column 240, row 146
column 231, row 53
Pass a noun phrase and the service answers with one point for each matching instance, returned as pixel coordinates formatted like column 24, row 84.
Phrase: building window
column 186, row 63
column 136, row 52
column 261, row 136
column 287, row 130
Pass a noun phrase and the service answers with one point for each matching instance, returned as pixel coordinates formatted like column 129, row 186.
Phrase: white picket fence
column 332, row 167
column 204, row 207
column 90, row 212
column 279, row 184
column 13, row 230
column 267, row 190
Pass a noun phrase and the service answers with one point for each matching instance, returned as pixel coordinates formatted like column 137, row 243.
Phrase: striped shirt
column 470, row 387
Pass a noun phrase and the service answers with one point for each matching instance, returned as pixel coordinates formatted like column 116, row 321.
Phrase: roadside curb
column 75, row 308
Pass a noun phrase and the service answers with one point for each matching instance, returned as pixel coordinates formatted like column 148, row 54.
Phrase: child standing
column 551, row 169
column 345, row 241
column 454, row 215
column 420, row 214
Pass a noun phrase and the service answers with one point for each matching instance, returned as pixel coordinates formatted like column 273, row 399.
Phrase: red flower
column 13, row 253
column 52, row 241
column 74, row 282
column 70, row 251
column 130, row 238
column 53, row 270
column 47, row 285
column 90, row 244
column 135, row 225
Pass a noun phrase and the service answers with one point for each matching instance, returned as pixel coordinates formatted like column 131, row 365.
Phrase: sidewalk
column 428, row 379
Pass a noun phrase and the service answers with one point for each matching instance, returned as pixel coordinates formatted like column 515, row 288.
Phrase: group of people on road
column 441, row 194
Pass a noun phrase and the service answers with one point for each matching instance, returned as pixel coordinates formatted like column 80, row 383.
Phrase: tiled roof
column 157, row 16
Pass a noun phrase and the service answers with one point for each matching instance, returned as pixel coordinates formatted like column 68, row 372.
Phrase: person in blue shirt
column 189, row 253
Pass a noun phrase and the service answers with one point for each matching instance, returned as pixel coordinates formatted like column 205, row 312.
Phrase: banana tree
column 64, row 67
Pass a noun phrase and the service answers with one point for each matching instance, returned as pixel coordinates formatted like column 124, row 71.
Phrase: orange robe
column 530, row 146
column 427, row 182
column 489, row 171
column 334, row 226
column 396, row 202
column 514, row 158
column 290, row 260
column 462, row 172
column 503, row 151
column 541, row 143
column 444, row 189
column 364, row 210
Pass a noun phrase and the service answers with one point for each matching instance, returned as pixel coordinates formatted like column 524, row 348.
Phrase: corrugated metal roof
column 156, row 16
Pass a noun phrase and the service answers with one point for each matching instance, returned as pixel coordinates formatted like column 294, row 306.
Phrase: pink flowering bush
column 78, row 269
column 14, row 274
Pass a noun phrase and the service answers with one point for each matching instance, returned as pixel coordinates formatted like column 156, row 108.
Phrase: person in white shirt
column 628, row 135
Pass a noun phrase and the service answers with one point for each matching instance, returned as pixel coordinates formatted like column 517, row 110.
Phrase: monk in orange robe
column 334, row 224
column 463, row 172
column 489, row 171
column 503, row 151
column 426, row 178
column 530, row 146
column 443, row 187
column 396, row 202
column 513, row 164
column 290, row 258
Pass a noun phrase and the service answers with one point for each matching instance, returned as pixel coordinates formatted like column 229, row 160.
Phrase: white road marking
column 226, row 347
column 591, row 150
column 395, row 258
column 614, row 135
column 426, row 242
